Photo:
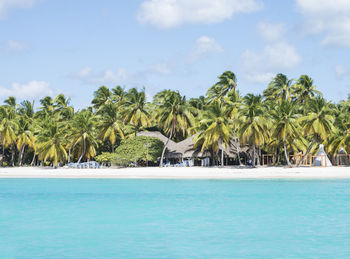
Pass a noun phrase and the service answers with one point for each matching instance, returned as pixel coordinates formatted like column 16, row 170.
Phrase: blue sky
column 73, row 47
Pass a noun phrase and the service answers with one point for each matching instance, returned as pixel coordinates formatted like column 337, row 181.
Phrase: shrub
column 137, row 150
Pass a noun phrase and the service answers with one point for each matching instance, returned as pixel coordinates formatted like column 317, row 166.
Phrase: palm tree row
column 290, row 117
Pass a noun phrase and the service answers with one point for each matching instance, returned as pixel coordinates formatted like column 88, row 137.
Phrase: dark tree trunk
column 13, row 152
column 253, row 162
column 238, row 147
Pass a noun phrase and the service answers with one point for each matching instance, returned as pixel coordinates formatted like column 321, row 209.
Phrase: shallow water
column 88, row 218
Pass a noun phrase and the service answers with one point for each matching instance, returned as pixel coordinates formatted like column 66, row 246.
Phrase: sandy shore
column 181, row 173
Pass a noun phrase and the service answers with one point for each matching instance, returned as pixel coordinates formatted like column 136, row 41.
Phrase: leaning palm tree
column 254, row 124
column 134, row 109
column 25, row 137
column 285, row 124
column 318, row 123
column 173, row 115
column 215, row 129
column 51, row 142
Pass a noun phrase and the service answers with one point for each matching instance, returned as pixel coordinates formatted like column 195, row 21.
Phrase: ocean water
column 75, row 218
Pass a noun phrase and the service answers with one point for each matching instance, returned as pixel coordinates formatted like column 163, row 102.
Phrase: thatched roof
column 171, row 147
column 185, row 148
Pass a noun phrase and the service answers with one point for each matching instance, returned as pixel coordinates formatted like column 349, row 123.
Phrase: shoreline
column 180, row 173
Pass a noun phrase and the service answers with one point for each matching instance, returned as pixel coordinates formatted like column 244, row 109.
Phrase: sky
column 48, row 47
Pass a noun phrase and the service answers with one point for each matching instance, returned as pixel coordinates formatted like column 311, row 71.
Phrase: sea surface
column 89, row 218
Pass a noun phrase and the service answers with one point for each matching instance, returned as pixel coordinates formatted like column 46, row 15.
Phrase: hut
column 185, row 152
column 321, row 158
column 342, row 158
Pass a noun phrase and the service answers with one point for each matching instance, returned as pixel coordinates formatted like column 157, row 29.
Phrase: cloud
column 341, row 71
column 261, row 67
column 15, row 46
column 7, row 5
column 204, row 47
column 108, row 77
column 161, row 69
column 271, row 31
column 329, row 18
column 167, row 14
column 31, row 90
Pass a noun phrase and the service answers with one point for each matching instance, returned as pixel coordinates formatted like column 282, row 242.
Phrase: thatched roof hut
column 171, row 147
column 186, row 149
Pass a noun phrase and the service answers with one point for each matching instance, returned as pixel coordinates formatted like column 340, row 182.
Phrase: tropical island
column 284, row 125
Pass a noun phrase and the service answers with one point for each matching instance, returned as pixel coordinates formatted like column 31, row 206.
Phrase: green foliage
column 138, row 150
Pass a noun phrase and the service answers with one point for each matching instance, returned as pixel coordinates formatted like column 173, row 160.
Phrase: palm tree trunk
column 13, row 150
column 163, row 152
column 285, row 153
column 84, row 150
column 238, row 147
column 69, row 153
column 307, row 152
column 222, row 157
column 33, row 160
column 253, row 163
column 20, row 156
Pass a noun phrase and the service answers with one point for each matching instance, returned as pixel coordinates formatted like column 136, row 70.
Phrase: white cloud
column 330, row 18
column 271, row 31
column 341, row 71
column 166, row 14
column 161, row 68
column 31, row 90
column 15, row 46
column 203, row 47
column 275, row 57
column 7, row 5
column 107, row 77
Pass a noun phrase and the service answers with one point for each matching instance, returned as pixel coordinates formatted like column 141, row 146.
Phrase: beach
column 181, row 173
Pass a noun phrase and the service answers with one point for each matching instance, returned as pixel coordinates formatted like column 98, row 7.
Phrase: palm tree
column 279, row 88
column 227, row 83
column 254, row 123
column 285, row 125
column 232, row 105
column 173, row 115
column 134, row 109
column 216, row 129
column 25, row 137
column 8, row 129
column 51, row 142
column 304, row 89
column 83, row 130
column 62, row 107
column 318, row 123
column 101, row 97
column 110, row 124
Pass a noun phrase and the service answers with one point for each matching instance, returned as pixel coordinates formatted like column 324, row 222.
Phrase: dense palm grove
column 289, row 117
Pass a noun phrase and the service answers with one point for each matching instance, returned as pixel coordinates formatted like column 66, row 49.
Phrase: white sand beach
column 181, row 173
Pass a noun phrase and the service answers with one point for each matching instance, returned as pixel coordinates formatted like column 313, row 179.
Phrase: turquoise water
column 72, row 218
